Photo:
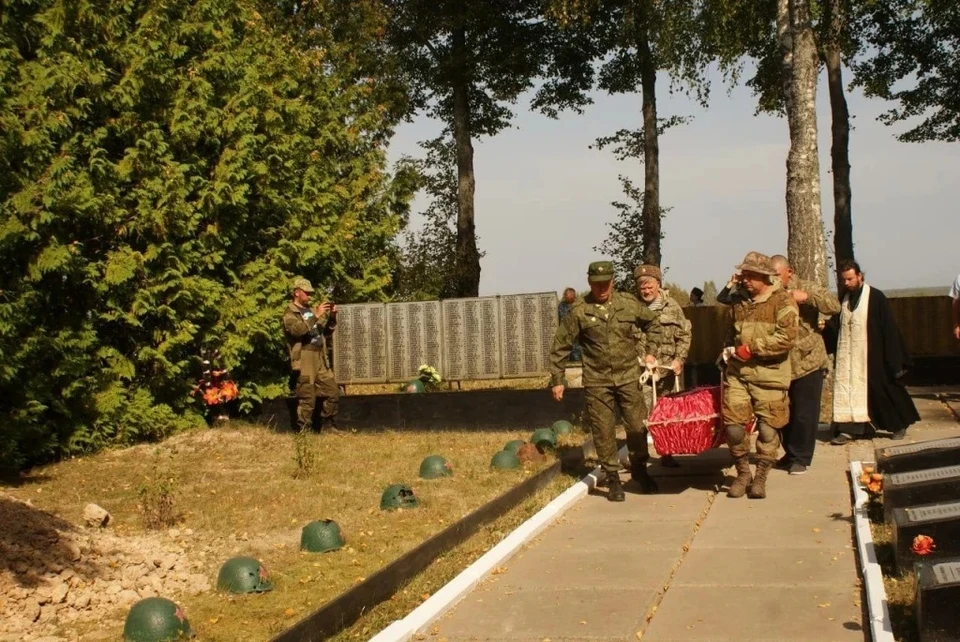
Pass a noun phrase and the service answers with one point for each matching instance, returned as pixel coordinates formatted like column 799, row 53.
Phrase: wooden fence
column 925, row 322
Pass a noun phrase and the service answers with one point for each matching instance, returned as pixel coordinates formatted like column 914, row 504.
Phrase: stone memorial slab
column 528, row 323
column 413, row 338
column 471, row 339
column 937, row 600
column 360, row 343
column 940, row 522
column 936, row 453
column 902, row 490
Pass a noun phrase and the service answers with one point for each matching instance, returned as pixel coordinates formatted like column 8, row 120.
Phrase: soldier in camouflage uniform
column 763, row 330
column 674, row 345
column 307, row 330
column 604, row 323
column 808, row 363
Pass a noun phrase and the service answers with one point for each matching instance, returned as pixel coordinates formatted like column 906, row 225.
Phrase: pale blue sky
column 543, row 197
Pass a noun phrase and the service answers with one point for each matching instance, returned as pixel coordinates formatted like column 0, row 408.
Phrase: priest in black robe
column 870, row 359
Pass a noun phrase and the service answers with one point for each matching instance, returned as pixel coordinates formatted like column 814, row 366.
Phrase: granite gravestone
column 901, row 490
column 937, row 600
column 940, row 522
column 919, row 456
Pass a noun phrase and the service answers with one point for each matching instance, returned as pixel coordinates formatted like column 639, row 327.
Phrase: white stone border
column 881, row 629
column 452, row 592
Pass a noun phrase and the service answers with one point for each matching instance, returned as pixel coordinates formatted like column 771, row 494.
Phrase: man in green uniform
column 674, row 344
column 307, row 330
column 604, row 323
column 763, row 329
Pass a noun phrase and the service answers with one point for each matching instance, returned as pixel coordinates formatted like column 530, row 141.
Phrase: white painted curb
column 452, row 592
column 881, row 629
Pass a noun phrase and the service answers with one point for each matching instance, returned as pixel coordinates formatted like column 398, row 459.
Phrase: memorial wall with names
column 473, row 338
column 413, row 338
column 359, row 343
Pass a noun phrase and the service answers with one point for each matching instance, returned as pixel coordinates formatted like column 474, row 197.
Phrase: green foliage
column 165, row 168
column 710, row 292
column 157, row 495
column 680, row 294
column 624, row 242
column 502, row 55
column 601, row 43
column 427, row 256
column 304, row 454
column 911, row 58
column 467, row 63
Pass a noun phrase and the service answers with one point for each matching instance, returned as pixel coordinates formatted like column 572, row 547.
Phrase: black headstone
column 937, row 600
column 938, row 521
column 936, row 453
column 901, row 490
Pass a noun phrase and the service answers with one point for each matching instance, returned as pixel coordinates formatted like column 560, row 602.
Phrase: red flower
column 923, row 545
column 228, row 391
column 211, row 396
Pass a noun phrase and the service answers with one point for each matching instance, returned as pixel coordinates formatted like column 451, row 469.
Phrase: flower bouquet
column 428, row 379
column 216, row 389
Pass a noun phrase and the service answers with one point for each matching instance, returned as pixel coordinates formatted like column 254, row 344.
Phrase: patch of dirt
column 54, row 573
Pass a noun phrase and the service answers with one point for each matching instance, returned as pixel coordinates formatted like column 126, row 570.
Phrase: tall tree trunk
column 840, row 131
column 467, row 266
column 651, row 232
column 785, row 42
column 805, row 238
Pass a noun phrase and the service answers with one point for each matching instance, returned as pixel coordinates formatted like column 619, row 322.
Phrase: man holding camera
column 307, row 330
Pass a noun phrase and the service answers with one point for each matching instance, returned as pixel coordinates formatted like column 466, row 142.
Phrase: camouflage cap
column 757, row 262
column 300, row 283
column 600, row 272
column 648, row 270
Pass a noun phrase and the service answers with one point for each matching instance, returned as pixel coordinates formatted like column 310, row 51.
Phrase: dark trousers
column 800, row 435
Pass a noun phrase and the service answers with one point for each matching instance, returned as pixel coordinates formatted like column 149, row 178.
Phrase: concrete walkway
column 690, row 564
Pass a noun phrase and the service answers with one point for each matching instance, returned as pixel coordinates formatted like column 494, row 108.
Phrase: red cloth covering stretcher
column 689, row 423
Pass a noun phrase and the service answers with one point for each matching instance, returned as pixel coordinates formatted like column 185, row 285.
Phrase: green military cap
column 600, row 272
column 300, row 283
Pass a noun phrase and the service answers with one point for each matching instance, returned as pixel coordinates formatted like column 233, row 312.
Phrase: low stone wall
column 455, row 410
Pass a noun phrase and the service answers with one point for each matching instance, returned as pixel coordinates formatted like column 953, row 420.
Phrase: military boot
column 614, row 487
column 328, row 425
column 758, row 489
column 640, row 474
column 739, row 485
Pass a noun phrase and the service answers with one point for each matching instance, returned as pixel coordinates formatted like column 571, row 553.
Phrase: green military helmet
column 562, row 427
column 505, row 460
column 414, row 385
column 321, row 536
column 156, row 619
column 435, row 466
column 243, row 575
column 544, row 439
column 514, row 446
column 398, row 496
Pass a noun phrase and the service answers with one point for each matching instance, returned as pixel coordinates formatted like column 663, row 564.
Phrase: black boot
column 614, row 488
column 329, row 425
column 640, row 474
